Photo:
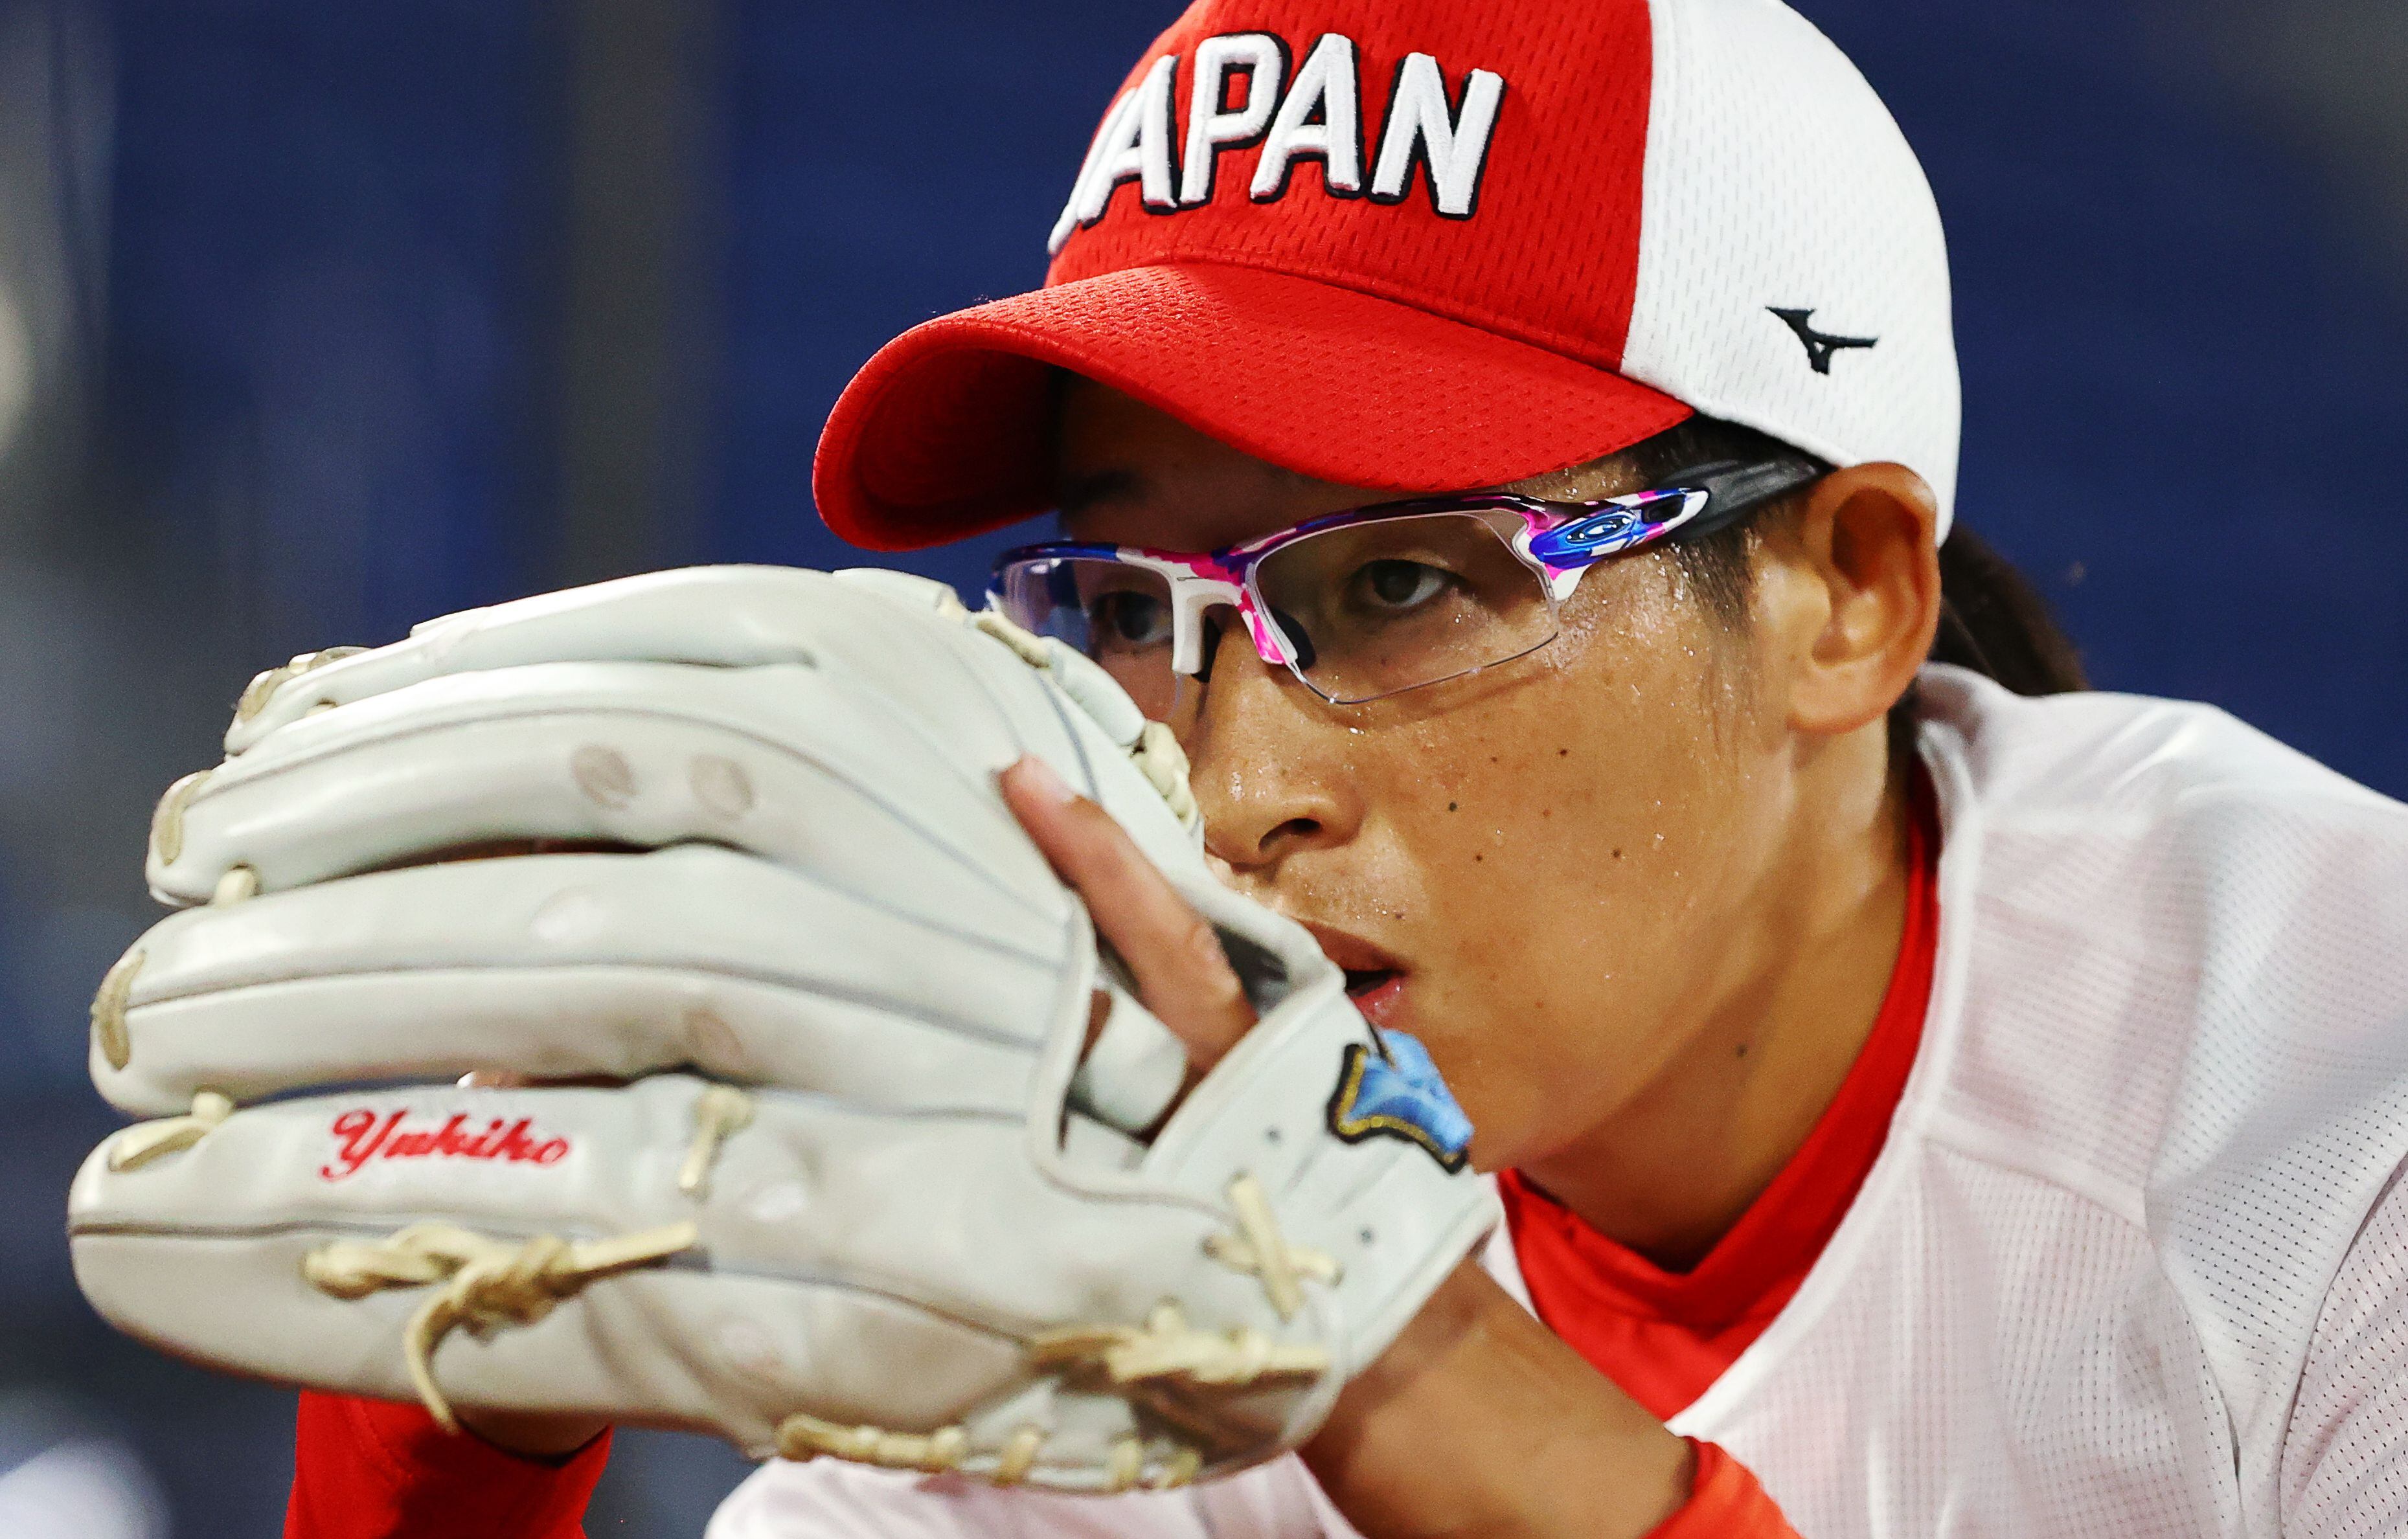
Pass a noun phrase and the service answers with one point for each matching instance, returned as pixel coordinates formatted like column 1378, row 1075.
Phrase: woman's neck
column 1808, row 956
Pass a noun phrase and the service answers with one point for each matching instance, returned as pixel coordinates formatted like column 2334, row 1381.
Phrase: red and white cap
column 1425, row 246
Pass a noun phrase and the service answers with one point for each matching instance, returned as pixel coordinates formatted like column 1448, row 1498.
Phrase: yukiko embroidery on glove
column 361, row 1135
column 1395, row 1090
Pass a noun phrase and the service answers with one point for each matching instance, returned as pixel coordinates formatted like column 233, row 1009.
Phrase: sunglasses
column 1370, row 602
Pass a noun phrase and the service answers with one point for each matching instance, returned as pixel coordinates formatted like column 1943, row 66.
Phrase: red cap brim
column 944, row 432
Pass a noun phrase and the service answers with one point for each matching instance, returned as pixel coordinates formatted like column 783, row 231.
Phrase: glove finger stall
column 868, row 628
column 562, row 966
column 636, row 754
column 759, row 616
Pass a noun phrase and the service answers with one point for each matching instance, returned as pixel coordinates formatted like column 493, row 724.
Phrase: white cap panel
column 1777, row 181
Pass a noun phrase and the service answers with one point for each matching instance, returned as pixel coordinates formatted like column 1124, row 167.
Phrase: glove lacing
column 491, row 1282
column 264, row 686
column 1166, row 1350
column 147, row 1141
column 488, row 1283
column 494, row 1282
column 1168, row 1347
column 720, row 1112
column 109, row 1009
column 1157, row 752
column 1260, row 1248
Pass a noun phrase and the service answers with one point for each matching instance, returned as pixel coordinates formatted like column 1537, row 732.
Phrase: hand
column 1477, row 1419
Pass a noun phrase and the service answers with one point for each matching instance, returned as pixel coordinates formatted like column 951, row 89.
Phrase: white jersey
column 2132, row 1261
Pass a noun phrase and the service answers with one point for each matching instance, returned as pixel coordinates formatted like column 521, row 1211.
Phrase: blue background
column 305, row 365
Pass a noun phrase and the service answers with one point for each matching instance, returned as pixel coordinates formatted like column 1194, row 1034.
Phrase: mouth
column 1362, row 981
column 1375, row 979
column 1378, row 995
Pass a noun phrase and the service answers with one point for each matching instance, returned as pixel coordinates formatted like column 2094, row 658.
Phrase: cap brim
column 944, row 434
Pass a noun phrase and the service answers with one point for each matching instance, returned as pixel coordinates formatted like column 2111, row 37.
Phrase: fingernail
column 1040, row 778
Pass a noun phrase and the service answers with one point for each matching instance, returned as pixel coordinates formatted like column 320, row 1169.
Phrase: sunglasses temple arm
column 1561, row 581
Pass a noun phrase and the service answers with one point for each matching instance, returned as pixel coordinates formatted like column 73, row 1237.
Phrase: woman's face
column 1532, row 869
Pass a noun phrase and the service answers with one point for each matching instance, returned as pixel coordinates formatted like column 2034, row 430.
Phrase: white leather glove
column 838, row 1176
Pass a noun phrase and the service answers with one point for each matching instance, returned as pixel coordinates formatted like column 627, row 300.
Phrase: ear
column 1859, row 599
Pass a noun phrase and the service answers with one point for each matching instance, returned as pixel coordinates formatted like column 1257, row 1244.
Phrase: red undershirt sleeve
column 1725, row 1502
column 368, row 1469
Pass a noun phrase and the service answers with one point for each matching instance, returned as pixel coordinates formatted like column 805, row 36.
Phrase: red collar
column 1665, row 1337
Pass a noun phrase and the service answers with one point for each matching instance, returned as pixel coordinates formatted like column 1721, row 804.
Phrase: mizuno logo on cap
column 1312, row 113
column 1820, row 346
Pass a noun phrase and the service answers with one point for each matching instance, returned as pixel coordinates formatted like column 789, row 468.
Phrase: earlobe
column 1866, row 536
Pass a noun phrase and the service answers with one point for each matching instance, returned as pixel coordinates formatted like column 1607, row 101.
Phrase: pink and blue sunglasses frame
column 1560, row 541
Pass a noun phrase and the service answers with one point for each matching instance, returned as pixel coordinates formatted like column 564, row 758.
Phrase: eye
column 1397, row 585
column 1127, row 619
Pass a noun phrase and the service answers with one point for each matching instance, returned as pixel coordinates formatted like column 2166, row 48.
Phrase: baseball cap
column 1425, row 246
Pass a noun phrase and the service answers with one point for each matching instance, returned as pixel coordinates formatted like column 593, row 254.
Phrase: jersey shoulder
column 2176, row 983
column 2128, row 762
column 2163, row 931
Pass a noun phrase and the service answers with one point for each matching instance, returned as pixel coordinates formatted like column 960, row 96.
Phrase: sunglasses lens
column 1369, row 609
column 1117, row 614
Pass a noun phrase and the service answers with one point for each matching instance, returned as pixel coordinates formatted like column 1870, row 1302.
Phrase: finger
column 1171, row 952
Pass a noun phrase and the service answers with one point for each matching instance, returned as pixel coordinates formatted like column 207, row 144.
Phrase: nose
column 1267, row 761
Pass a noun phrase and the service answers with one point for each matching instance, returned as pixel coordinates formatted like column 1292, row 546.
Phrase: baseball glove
column 808, row 1145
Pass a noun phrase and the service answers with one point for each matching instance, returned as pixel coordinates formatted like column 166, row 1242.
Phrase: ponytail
column 1994, row 621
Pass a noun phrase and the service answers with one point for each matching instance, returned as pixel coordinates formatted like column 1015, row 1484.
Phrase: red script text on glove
column 362, row 1136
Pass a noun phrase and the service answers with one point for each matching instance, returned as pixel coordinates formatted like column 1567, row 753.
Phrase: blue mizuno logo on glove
column 1395, row 1091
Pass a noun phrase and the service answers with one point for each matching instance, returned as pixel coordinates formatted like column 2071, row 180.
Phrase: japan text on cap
column 1424, row 247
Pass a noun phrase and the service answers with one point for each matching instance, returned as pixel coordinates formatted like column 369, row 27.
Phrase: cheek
column 1572, row 838
column 1604, row 769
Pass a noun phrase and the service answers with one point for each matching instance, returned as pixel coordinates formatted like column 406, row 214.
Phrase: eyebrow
column 1077, row 496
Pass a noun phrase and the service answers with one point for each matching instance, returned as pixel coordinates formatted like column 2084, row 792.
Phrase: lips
column 1375, row 979
column 1379, row 996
